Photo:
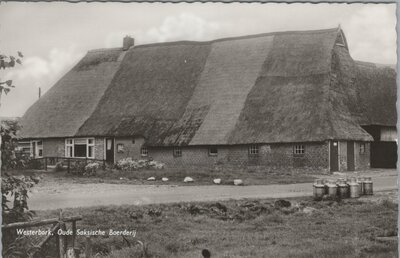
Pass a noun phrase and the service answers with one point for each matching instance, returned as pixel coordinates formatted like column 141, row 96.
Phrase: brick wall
column 131, row 147
column 272, row 155
column 99, row 148
column 54, row 147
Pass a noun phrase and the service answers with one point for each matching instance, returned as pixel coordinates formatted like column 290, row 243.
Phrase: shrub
column 128, row 164
column 78, row 168
column 91, row 169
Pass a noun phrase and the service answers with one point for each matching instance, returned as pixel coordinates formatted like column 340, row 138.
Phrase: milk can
column 332, row 189
column 368, row 186
column 318, row 189
column 361, row 184
column 354, row 188
column 343, row 189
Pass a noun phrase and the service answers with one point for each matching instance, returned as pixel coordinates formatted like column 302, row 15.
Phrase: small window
column 177, row 152
column 213, row 151
column 299, row 150
column 362, row 148
column 253, row 150
column 120, row 148
column 144, row 152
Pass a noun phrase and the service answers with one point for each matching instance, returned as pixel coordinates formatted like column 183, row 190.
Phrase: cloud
column 184, row 26
column 371, row 34
column 36, row 72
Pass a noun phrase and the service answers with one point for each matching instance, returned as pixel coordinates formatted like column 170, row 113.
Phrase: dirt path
column 84, row 195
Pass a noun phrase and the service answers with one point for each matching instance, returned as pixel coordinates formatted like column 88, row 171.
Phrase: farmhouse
column 289, row 99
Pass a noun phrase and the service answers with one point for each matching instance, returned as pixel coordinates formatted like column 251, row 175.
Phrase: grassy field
column 201, row 176
column 247, row 228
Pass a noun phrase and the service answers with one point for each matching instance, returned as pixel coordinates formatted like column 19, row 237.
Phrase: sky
column 54, row 36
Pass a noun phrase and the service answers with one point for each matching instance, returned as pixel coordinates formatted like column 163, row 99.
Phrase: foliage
column 16, row 188
column 128, row 164
column 8, row 132
column 8, row 62
column 83, row 168
column 91, row 169
column 78, row 168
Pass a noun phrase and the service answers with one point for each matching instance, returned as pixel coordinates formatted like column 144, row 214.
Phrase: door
column 334, row 156
column 34, row 149
column 350, row 156
column 110, row 150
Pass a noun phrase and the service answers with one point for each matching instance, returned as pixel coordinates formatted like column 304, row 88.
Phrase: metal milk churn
column 343, row 188
column 318, row 189
column 354, row 188
column 332, row 189
column 368, row 186
column 361, row 184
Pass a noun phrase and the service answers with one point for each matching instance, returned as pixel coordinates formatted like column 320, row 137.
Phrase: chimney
column 40, row 92
column 128, row 42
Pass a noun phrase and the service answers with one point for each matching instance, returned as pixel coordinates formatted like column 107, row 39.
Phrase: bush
column 91, row 169
column 78, row 168
column 128, row 164
column 83, row 168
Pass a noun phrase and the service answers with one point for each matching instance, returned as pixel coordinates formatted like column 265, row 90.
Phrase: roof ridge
column 240, row 37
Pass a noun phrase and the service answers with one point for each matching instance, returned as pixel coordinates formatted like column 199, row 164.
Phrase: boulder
column 164, row 179
column 188, row 180
column 151, row 178
column 217, row 181
column 238, row 182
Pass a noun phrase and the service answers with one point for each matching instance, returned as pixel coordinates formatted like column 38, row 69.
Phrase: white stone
column 217, row 181
column 164, row 179
column 151, row 178
column 188, row 179
column 238, row 182
column 308, row 210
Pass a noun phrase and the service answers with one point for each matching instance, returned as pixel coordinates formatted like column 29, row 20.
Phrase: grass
column 201, row 176
column 246, row 228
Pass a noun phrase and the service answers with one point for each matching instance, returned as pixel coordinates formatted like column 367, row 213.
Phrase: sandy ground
column 60, row 194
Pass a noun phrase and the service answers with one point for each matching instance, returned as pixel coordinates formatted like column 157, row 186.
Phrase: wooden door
column 334, row 155
column 350, row 156
column 110, row 150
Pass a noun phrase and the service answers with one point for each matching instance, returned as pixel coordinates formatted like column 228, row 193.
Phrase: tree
column 12, row 186
column 8, row 62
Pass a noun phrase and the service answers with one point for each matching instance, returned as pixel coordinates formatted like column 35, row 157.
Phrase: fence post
column 88, row 247
column 73, row 233
column 45, row 163
column 69, row 162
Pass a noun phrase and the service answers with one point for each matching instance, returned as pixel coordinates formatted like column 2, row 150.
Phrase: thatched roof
column 69, row 103
column 275, row 87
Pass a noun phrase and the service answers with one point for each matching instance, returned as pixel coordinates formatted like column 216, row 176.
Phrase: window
column 213, row 151
column 253, row 150
column 120, row 148
column 177, row 152
column 36, row 148
column 362, row 148
column 79, row 148
column 299, row 150
column 144, row 152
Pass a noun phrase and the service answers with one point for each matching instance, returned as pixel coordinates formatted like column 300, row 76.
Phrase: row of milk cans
column 342, row 188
